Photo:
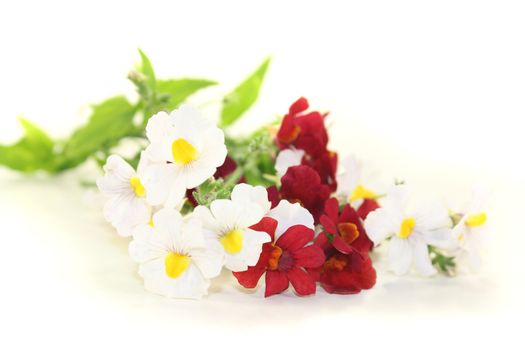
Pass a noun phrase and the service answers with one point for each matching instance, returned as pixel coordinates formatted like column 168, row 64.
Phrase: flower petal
column 400, row 255
column 117, row 176
column 340, row 244
column 287, row 158
column 158, row 180
column 158, row 127
column 288, row 215
column 295, row 237
column 250, row 277
column 309, row 257
column 208, row 261
column 301, row 281
column 276, row 282
column 328, row 224
column 244, row 194
column 422, row 260
column 267, row 225
column 168, row 226
column 380, row 224
column 331, row 209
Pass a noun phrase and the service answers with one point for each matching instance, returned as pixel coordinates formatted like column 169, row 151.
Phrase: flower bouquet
column 277, row 203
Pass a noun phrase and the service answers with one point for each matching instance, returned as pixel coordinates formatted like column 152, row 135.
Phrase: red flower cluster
column 302, row 184
column 348, row 268
column 338, row 258
column 306, row 131
column 284, row 260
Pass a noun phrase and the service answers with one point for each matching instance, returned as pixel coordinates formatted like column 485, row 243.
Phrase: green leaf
column 243, row 96
column 110, row 121
column 32, row 152
column 443, row 262
column 146, row 68
column 175, row 91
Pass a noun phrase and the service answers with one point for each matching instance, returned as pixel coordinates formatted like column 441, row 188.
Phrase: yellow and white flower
column 356, row 182
column 410, row 232
column 126, row 207
column 470, row 231
column 173, row 256
column 185, row 149
column 288, row 158
column 227, row 225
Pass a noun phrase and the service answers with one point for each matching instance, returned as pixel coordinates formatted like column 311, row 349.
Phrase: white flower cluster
column 178, row 255
column 411, row 229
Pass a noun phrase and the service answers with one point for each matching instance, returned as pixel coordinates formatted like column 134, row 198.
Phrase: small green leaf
column 34, row 151
column 146, row 68
column 243, row 96
column 444, row 263
column 109, row 123
column 175, row 91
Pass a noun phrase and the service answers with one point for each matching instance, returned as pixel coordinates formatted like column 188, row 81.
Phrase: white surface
column 430, row 92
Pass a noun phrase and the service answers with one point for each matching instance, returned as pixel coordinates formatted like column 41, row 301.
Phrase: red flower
column 303, row 130
column 284, row 261
column 301, row 184
column 306, row 131
column 326, row 167
column 348, row 268
column 346, row 229
column 347, row 273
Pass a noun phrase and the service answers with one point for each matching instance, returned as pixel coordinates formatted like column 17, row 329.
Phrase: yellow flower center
column 475, row 220
column 232, row 241
column 150, row 222
column 175, row 264
column 183, row 151
column 137, row 186
column 361, row 193
column 407, row 227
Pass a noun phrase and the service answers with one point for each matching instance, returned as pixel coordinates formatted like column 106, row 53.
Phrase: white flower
column 227, row 225
column 470, row 231
column 355, row 182
column 288, row 158
column 126, row 207
column 288, row 215
column 173, row 256
column 411, row 231
column 185, row 149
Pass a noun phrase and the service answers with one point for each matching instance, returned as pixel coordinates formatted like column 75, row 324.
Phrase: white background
column 429, row 91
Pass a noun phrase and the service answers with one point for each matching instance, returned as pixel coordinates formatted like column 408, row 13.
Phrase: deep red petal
column 368, row 206
column 288, row 132
column 299, row 106
column 273, row 195
column 313, row 138
column 331, row 209
column 315, row 273
column 309, row 257
column 328, row 224
column 268, row 225
column 301, row 281
column 302, row 184
column 340, row 244
column 250, row 277
column 295, row 237
column 226, row 168
column 276, row 282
